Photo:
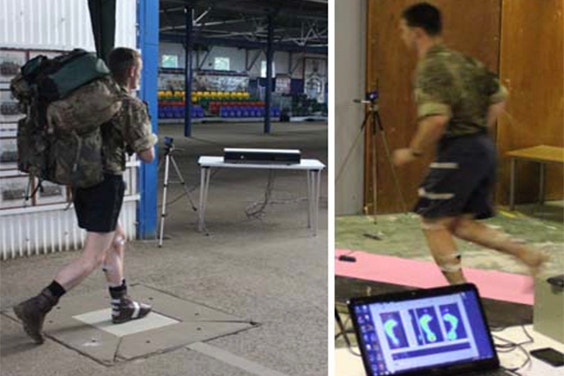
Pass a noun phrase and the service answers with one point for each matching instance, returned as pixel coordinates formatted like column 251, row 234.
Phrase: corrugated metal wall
column 60, row 24
column 49, row 231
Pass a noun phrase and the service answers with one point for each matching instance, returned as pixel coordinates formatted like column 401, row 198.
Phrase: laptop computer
column 438, row 331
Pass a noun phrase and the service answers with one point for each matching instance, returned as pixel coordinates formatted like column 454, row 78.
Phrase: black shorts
column 461, row 179
column 98, row 207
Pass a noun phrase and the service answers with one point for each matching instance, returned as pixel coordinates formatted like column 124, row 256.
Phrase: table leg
column 204, row 185
column 309, row 197
column 542, row 167
column 316, row 202
column 512, row 186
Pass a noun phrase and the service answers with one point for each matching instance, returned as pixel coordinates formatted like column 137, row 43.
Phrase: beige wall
column 350, row 48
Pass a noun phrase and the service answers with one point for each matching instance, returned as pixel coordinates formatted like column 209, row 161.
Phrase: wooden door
column 472, row 27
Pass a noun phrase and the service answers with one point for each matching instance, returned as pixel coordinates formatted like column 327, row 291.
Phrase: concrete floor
column 268, row 271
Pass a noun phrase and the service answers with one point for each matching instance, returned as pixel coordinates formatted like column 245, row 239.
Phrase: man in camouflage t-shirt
column 98, row 207
column 457, row 100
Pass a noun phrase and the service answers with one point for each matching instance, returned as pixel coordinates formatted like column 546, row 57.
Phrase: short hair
column 425, row 16
column 120, row 60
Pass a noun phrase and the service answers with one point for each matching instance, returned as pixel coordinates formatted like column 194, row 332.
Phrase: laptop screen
column 423, row 330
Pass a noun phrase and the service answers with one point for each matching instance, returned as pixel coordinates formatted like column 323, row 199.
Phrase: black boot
column 32, row 312
column 124, row 308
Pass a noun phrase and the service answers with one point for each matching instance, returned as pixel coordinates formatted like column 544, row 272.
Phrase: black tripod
column 372, row 117
column 168, row 159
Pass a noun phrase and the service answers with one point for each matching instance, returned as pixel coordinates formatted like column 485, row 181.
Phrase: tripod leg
column 374, row 155
column 317, row 175
column 346, row 159
column 392, row 167
column 309, row 198
column 163, row 209
column 182, row 182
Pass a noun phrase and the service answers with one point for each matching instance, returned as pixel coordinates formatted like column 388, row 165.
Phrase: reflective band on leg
column 450, row 268
column 432, row 226
column 450, row 264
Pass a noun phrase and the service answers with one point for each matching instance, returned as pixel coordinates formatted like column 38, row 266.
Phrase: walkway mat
column 515, row 288
column 500, row 314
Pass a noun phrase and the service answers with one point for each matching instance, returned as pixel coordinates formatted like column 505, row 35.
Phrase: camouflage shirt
column 452, row 84
column 131, row 129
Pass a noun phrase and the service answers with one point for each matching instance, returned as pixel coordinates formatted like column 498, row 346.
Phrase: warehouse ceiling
column 299, row 25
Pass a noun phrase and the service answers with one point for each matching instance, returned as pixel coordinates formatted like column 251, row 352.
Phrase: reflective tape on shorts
column 434, row 196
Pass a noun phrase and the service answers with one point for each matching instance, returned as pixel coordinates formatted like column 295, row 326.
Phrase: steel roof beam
column 179, row 38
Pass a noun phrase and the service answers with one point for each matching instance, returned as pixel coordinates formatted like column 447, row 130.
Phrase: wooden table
column 541, row 154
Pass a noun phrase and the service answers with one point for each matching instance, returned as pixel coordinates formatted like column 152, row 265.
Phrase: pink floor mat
column 515, row 288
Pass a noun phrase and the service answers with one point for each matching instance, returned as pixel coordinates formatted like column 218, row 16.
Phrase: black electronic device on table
column 549, row 355
column 262, row 156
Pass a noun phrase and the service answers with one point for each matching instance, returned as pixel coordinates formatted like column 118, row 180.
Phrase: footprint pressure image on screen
column 426, row 325
column 452, row 322
column 395, row 332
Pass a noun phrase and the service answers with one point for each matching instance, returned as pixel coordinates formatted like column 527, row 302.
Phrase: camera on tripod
column 372, row 96
column 168, row 144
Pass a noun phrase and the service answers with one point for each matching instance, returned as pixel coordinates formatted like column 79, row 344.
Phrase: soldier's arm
column 493, row 112
column 137, row 131
column 434, row 88
column 429, row 130
column 147, row 155
column 497, row 103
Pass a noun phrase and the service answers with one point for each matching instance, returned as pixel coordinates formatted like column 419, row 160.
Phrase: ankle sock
column 56, row 289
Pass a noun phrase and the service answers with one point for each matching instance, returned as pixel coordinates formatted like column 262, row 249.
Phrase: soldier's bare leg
column 468, row 229
column 443, row 248
column 113, row 262
column 32, row 312
column 93, row 254
column 123, row 307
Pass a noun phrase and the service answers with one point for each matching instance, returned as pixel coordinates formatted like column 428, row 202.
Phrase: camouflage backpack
column 66, row 99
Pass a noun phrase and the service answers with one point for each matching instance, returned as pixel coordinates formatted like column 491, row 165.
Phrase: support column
column 188, row 74
column 269, row 59
column 148, row 43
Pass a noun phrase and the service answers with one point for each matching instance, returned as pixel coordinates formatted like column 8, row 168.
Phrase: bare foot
column 535, row 260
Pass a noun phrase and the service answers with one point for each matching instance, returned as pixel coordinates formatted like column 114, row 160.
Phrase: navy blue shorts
column 97, row 208
column 461, row 179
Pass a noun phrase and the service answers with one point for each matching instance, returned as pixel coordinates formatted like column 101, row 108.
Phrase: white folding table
column 313, row 168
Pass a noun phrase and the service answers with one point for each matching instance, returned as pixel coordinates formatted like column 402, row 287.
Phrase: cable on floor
column 256, row 210
column 509, row 346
